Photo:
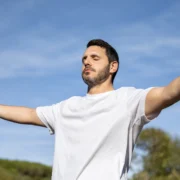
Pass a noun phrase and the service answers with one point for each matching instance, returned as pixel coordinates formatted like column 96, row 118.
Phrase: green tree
column 22, row 170
column 160, row 154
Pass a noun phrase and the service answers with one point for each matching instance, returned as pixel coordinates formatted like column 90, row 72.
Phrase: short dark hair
column 110, row 51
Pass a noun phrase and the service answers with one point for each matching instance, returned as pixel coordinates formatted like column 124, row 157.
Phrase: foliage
column 22, row 170
column 159, row 152
column 160, row 156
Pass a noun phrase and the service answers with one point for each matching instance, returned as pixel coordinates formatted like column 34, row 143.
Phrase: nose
column 87, row 62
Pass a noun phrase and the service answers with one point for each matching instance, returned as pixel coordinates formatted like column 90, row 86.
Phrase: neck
column 101, row 88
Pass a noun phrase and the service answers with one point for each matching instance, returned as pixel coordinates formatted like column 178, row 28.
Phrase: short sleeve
column 136, row 105
column 49, row 115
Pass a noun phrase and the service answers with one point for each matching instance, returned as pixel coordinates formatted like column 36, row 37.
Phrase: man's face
column 95, row 66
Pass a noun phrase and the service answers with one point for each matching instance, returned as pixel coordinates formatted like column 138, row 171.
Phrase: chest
column 85, row 108
column 86, row 121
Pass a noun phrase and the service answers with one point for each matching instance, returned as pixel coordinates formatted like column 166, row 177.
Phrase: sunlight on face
column 95, row 68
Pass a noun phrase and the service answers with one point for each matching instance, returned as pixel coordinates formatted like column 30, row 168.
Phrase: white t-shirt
column 95, row 134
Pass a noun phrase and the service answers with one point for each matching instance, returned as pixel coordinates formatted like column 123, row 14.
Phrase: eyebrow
column 84, row 57
column 92, row 55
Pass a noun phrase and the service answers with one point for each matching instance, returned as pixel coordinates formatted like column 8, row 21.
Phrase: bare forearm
column 172, row 91
column 19, row 114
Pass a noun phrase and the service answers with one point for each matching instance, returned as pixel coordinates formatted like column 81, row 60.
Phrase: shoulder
column 131, row 89
column 73, row 99
column 133, row 92
column 122, row 93
column 126, row 90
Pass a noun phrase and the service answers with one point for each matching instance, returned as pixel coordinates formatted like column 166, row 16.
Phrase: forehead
column 95, row 50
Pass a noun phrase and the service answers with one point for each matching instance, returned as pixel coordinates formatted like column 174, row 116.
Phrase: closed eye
column 95, row 57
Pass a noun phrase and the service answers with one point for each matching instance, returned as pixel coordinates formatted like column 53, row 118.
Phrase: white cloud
column 155, row 45
column 44, row 49
column 38, row 57
column 36, row 54
column 151, row 48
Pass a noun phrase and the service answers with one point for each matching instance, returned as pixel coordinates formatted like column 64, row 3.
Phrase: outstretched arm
column 160, row 98
column 18, row 114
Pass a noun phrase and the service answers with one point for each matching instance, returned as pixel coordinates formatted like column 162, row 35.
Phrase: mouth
column 87, row 70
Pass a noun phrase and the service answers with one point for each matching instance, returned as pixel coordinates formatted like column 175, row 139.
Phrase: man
column 95, row 134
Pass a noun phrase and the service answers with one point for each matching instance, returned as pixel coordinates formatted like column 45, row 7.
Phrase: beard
column 100, row 78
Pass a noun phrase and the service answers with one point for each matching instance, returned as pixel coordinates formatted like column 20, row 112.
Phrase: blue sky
column 42, row 43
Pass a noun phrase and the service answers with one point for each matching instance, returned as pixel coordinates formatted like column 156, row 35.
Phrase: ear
column 113, row 67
